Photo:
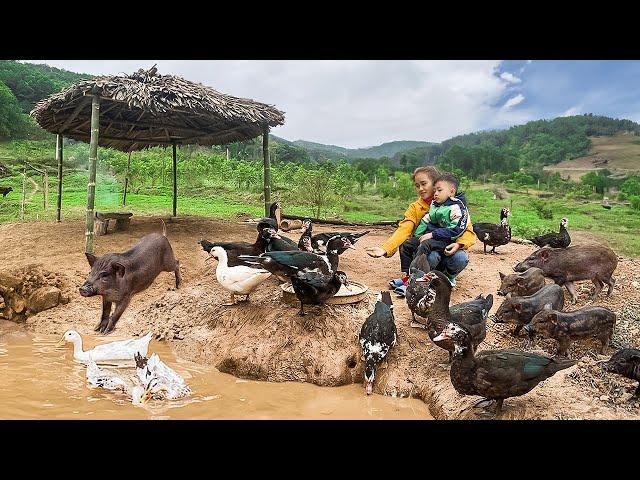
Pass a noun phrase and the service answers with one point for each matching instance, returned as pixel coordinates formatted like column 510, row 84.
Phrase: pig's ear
column 544, row 255
column 502, row 275
column 91, row 258
column 547, row 306
column 553, row 317
column 118, row 268
column 517, row 307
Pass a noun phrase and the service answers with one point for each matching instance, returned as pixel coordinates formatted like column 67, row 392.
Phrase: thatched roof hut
column 145, row 109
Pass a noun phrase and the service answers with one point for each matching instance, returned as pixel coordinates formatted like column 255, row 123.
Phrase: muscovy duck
column 234, row 249
column 434, row 306
column 289, row 263
column 279, row 243
column 238, row 280
column 315, row 288
column 377, row 335
column 495, row 374
column 273, row 220
column 163, row 383
column 555, row 240
column 415, row 291
column 319, row 241
column 494, row 235
column 304, row 243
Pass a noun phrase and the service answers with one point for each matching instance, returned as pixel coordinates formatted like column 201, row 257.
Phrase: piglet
column 625, row 362
column 522, row 284
column 118, row 276
column 566, row 327
column 567, row 265
column 520, row 310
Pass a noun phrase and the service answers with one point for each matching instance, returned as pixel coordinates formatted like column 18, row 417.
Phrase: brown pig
column 522, row 284
column 567, row 265
column 566, row 327
column 520, row 310
column 118, row 276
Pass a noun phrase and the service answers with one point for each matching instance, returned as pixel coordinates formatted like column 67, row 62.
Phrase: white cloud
column 509, row 77
column 350, row 103
column 513, row 101
column 572, row 111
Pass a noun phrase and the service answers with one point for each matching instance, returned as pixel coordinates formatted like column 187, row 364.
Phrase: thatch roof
column 146, row 109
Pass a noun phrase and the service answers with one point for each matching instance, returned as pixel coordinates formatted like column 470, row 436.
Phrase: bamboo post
column 45, row 183
column 175, row 183
column 24, row 189
column 267, row 169
column 126, row 181
column 93, row 157
column 59, row 147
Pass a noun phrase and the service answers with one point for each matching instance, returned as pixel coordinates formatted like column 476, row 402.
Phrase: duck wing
column 290, row 262
column 378, row 333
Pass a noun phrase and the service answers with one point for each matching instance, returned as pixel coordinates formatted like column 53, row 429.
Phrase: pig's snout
column 87, row 290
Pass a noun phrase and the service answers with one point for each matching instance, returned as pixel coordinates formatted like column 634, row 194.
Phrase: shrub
column 635, row 202
column 542, row 209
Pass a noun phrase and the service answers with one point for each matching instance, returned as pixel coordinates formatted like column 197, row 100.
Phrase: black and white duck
column 238, row 280
column 289, row 263
column 319, row 241
column 495, row 374
column 377, row 336
column 273, row 220
column 417, row 290
column 314, row 288
column 234, row 249
column 304, row 243
column 279, row 243
column 555, row 240
column 434, row 307
column 492, row 234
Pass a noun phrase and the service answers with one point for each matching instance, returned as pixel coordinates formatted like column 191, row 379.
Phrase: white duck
column 113, row 351
column 111, row 381
column 162, row 382
column 238, row 280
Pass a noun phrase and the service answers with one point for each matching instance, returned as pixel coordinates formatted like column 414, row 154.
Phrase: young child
column 447, row 217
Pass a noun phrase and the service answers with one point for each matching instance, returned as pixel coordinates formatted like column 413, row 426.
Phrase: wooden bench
column 101, row 223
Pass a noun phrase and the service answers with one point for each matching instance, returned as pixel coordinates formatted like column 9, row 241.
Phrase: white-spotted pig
column 567, row 265
column 625, row 362
column 118, row 276
column 522, row 284
column 566, row 327
column 520, row 310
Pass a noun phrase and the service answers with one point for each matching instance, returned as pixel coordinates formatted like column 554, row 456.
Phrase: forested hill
column 388, row 149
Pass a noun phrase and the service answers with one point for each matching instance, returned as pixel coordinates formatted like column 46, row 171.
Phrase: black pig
column 117, row 276
column 567, row 265
column 520, row 310
column 522, row 284
column 625, row 362
column 565, row 327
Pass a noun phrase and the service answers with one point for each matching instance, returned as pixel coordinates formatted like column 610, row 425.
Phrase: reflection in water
column 40, row 381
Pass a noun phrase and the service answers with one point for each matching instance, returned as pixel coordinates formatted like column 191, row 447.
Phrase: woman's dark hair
column 431, row 172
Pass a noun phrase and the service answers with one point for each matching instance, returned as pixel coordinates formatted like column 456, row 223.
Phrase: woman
column 454, row 259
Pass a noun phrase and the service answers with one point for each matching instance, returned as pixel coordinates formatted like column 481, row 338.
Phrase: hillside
column 620, row 154
column 388, row 149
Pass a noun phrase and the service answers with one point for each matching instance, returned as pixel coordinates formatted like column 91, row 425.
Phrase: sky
column 356, row 104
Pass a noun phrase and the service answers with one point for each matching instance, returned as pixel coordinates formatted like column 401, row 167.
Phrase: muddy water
column 41, row 381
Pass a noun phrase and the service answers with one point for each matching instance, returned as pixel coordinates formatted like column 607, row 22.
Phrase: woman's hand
column 426, row 236
column 451, row 249
column 375, row 252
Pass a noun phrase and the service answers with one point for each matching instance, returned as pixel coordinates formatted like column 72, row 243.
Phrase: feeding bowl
column 354, row 293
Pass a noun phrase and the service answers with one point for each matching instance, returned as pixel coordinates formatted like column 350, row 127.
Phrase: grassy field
column 617, row 227
column 621, row 151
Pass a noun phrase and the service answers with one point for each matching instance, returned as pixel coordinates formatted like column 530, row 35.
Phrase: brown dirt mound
column 264, row 339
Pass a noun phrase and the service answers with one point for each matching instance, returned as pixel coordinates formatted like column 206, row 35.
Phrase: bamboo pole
column 93, row 157
column 175, row 183
column 126, row 181
column 24, row 189
column 267, row 169
column 59, row 148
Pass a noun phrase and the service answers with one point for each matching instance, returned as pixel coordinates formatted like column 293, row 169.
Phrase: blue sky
column 368, row 102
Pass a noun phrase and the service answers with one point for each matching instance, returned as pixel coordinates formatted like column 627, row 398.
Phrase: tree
column 12, row 121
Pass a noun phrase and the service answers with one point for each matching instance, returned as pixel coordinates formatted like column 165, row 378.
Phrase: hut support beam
column 126, row 181
column 93, row 157
column 267, row 170
column 175, row 182
column 59, row 142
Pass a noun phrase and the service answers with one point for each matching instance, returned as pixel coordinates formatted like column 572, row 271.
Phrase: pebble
column 604, row 398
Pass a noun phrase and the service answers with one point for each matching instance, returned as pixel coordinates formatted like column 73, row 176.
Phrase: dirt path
column 264, row 339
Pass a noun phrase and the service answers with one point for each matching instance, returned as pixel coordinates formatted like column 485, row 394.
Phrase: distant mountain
column 334, row 152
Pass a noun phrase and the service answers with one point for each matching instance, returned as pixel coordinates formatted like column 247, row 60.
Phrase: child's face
column 424, row 185
column 443, row 191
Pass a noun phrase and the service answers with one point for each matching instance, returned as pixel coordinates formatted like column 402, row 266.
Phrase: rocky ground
column 265, row 339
